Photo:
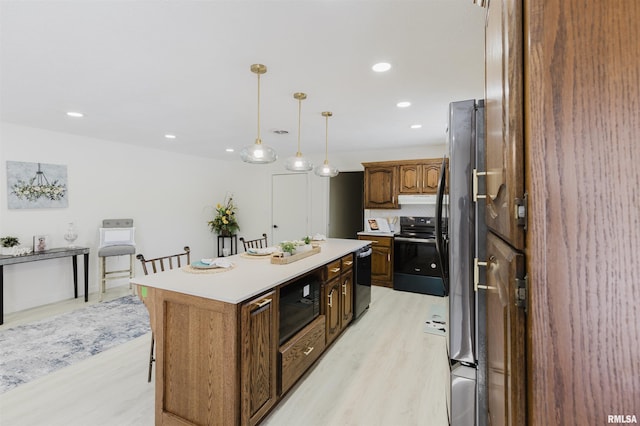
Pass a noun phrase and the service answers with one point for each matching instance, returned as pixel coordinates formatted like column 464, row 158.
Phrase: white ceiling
column 141, row 69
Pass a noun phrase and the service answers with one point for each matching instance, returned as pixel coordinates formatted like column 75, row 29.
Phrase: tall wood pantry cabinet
column 562, row 90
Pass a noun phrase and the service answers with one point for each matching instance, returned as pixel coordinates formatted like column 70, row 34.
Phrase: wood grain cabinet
column 259, row 347
column 338, row 296
column 380, row 187
column 301, row 351
column 419, row 178
column 385, row 180
column 381, row 259
column 346, row 302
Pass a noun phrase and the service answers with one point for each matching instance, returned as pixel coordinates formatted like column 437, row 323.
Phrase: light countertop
column 377, row 234
column 249, row 276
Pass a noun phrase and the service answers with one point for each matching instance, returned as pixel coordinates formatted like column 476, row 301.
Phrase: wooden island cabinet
column 338, row 296
column 218, row 357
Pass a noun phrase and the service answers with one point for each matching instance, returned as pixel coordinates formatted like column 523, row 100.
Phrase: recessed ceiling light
column 229, row 149
column 170, row 136
column 280, row 132
column 403, row 104
column 416, row 126
column 75, row 114
column 381, row 67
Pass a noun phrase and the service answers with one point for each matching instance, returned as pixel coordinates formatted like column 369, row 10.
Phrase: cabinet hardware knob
column 349, row 262
column 308, row 351
column 331, row 299
column 334, row 270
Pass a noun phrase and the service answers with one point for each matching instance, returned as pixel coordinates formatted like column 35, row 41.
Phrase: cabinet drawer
column 347, row 262
column 333, row 269
column 301, row 351
column 377, row 241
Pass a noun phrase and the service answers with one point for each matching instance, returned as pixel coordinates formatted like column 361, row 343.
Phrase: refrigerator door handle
column 441, row 244
column 476, row 173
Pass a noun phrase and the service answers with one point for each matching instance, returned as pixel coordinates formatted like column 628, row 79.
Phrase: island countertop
column 249, row 276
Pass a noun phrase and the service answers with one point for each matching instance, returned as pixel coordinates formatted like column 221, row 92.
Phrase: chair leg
column 151, row 358
column 103, row 276
column 132, row 271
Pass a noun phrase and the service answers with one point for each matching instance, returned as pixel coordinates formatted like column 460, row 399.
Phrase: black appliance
column 417, row 266
column 362, row 288
column 299, row 304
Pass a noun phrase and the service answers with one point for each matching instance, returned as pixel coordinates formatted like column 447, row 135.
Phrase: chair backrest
column 165, row 261
column 257, row 243
column 117, row 232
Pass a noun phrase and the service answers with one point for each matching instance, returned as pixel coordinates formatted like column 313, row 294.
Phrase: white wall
column 169, row 196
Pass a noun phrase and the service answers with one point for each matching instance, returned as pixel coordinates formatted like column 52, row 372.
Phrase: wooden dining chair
column 255, row 244
column 161, row 264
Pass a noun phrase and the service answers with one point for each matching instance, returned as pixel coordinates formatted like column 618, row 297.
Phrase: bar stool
column 116, row 239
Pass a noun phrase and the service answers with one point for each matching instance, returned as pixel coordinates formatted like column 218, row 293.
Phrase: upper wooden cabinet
column 421, row 178
column 384, row 181
column 380, row 187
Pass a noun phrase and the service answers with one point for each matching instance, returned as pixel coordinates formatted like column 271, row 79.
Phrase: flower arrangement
column 295, row 246
column 33, row 190
column 225, row 221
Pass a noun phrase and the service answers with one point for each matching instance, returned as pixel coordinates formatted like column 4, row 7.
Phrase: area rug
column 33, row 350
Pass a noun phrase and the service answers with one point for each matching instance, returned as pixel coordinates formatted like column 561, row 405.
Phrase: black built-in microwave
column 299, row 304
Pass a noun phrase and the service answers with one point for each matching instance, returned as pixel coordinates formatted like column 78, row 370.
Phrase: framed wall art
column 36, row 185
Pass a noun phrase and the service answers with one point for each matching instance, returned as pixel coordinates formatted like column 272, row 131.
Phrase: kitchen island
column 218, row 355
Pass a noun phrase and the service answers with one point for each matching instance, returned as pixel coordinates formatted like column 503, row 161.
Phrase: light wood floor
column 384, row 370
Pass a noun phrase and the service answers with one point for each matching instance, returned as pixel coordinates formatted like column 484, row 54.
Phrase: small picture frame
column 40, row 243
column 373, row 225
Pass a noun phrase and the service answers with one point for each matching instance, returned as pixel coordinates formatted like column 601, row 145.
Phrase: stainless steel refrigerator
column 460, row 240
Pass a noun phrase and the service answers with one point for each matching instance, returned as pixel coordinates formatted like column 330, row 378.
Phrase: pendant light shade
column 298, row 163
column 325, row 169
column 258, row 153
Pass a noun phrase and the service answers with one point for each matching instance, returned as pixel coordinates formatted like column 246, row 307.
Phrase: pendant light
column 298, row 163
column 325, row 169
column 258, row 153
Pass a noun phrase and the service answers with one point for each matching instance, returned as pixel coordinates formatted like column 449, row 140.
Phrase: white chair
column 116, row 239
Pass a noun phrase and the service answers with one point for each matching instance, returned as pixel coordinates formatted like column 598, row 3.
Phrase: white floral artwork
column 36, row 185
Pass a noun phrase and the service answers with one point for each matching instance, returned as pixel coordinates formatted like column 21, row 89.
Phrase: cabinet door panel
column 430, row 177
column 347, row 298
column 506, row 390
column 259, row 353
column 410, row 179
column 504, row 119
column 380, row 187
column 332, row 309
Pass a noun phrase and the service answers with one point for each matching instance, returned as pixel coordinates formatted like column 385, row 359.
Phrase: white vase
column 7, row 251
column 302, row 249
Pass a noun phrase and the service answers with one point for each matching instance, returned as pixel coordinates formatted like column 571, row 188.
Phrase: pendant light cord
column 259, row 140
column 299, row 122
column 326, row 140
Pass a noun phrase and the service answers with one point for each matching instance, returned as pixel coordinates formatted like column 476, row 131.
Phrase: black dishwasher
column 362, row 288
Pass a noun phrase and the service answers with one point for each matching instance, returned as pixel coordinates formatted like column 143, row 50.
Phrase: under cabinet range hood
column 419, row 199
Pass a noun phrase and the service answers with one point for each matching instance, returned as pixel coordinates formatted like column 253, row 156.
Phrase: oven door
column 417, row 266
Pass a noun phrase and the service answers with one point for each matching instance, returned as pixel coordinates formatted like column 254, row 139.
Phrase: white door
column 290, row 207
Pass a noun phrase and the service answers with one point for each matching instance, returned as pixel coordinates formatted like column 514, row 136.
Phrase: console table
column 54, row 253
